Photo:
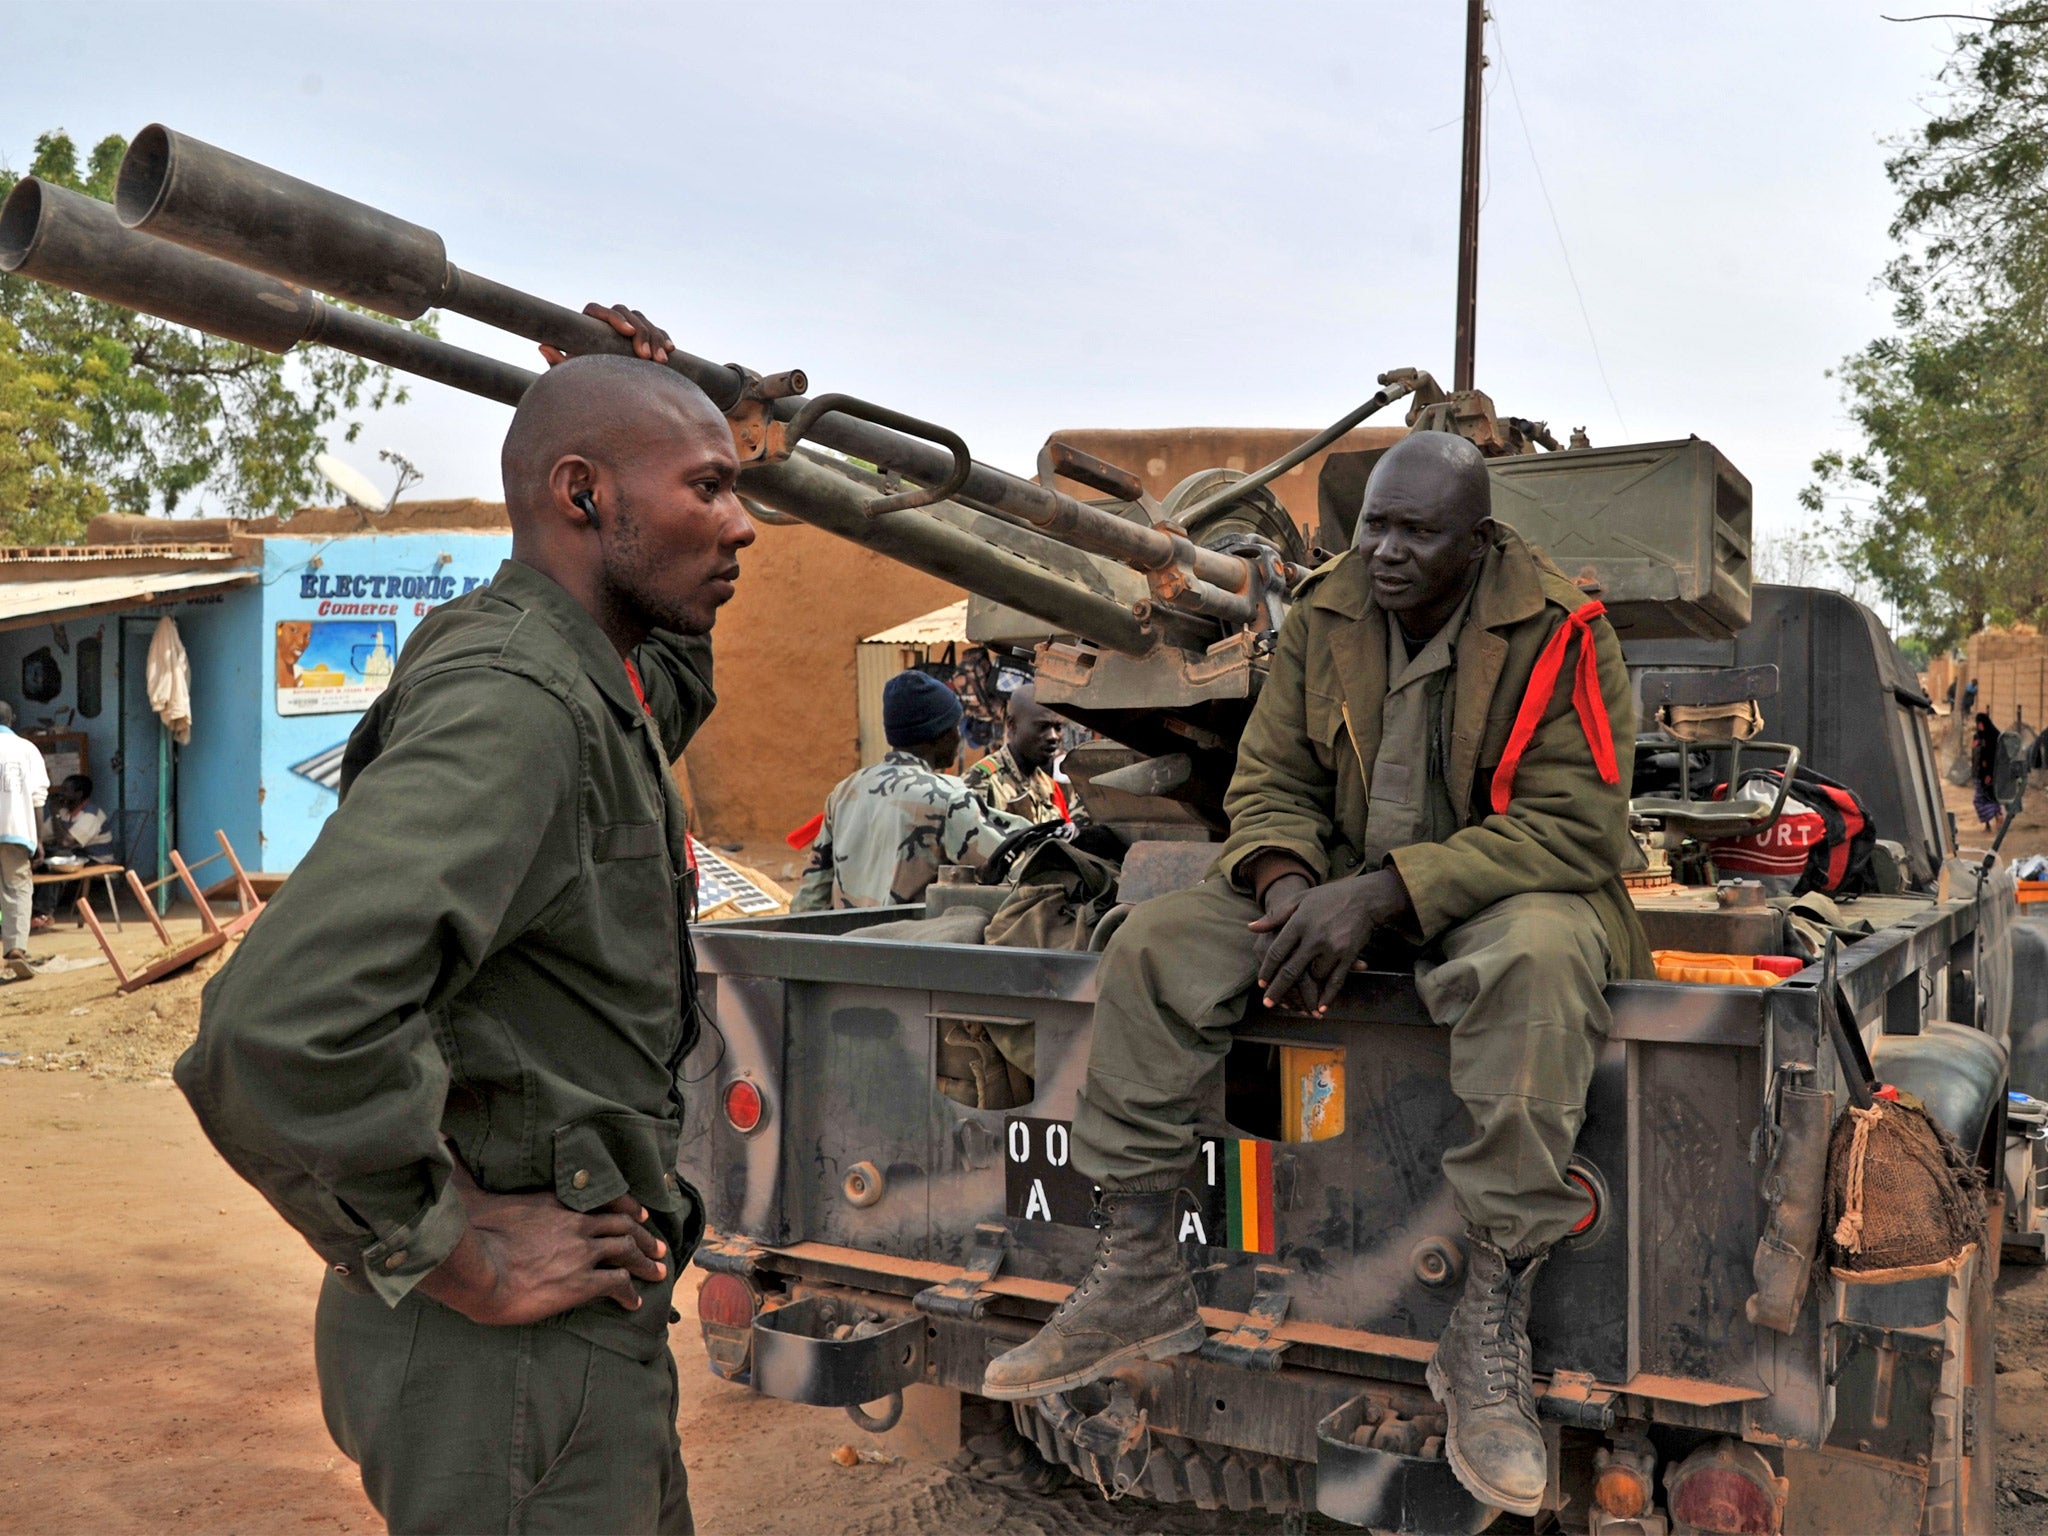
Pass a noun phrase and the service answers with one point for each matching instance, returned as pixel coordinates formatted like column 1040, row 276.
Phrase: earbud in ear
column 588, row 503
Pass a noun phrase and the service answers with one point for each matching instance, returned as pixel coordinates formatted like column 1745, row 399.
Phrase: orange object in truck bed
column 1724, row 970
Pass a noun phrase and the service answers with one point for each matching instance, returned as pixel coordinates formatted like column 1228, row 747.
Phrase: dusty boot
column 1480, row 1373
column 1137, row 1302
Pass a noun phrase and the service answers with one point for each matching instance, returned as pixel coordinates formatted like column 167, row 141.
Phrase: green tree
column 44, row 499
column 1944, row 508
column 124, row 412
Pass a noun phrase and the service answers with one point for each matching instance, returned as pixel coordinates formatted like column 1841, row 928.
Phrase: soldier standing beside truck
column 448, row 1052
column 1483, row 845
column 890, row 827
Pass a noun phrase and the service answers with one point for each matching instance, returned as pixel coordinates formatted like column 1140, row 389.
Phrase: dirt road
column 156, row 1361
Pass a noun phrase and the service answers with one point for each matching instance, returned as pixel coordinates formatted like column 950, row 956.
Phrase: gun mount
column 1150, row 616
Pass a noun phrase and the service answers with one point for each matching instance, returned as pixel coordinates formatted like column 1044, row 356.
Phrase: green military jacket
column 999, row 782
column 1303, row 765
column 485, row 943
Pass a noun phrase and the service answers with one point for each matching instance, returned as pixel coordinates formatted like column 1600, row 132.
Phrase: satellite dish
column 351, row 482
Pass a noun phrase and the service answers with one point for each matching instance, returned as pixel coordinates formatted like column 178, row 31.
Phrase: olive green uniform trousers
column 460, row 1427
column 1518, row 985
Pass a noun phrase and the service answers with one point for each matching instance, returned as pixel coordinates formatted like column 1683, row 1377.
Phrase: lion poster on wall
column 333, row 666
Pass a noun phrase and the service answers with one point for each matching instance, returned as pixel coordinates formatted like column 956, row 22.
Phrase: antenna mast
column 1468, row 194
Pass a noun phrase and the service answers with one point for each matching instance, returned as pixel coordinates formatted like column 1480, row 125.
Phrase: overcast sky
column 1017, row 218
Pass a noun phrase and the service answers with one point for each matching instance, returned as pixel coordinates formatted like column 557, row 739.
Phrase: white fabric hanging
column 170, row 680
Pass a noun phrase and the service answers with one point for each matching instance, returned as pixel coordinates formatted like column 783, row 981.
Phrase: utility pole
column 1468, row 193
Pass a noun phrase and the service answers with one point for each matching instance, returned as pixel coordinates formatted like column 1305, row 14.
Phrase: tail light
column 1624, row 1478
column 1727, row 1488
column 1622, row 1492
column 744, row 1107
column 1623, row 1485
column 728, row 1301
column 726, row 1307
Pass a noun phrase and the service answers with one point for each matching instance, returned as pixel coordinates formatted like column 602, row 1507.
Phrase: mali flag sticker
column 1248, row 1194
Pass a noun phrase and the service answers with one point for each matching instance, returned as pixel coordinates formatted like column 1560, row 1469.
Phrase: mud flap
column 798, row 1358
column 1885, row 1381
column 1385, row 1490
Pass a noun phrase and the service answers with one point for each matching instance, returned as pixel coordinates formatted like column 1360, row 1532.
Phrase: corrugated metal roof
column 56, row 598
column 936, row 628
column 49, row 557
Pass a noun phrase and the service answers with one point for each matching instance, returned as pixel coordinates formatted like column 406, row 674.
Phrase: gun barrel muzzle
column 76, row 242
column 210, row 199
column 184, row 190
column 72, row 241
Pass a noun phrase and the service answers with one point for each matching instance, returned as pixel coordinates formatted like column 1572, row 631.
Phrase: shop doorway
column 142, row 775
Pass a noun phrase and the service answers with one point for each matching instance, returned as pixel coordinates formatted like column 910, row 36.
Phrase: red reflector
column 1724, row 1501
column 1585, row 1222
column 727, row 1299
column 743, row 1105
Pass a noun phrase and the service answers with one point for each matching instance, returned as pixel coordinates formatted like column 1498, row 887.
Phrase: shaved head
column 1440, row 468
column 604, row 409
column 1426, row 527
column 1031, row 731
column 619, row 482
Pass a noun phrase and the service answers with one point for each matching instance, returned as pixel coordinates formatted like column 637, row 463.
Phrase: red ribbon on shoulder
column 633, row 677
column 1586, row 698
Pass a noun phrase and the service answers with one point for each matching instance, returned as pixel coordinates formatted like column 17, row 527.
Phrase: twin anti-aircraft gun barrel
column 207, row 239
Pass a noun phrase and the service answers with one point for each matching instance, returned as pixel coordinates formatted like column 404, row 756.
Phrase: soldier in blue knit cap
column 890, row 826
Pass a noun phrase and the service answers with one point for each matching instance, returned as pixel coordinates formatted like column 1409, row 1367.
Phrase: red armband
column 1587, row 699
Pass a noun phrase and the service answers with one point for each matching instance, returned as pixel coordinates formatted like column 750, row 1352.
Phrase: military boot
column 1480, row 1373
column 1136, row 1302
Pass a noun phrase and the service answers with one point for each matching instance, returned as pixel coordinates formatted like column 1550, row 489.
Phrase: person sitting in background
column 1017, row 778
column 72, row 825
column 24, row 786
column 889, row 828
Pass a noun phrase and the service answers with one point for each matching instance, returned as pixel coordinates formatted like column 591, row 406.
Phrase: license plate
column 1227, row 1201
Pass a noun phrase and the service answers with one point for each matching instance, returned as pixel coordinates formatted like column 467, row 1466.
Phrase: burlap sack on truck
column 1903, row 1200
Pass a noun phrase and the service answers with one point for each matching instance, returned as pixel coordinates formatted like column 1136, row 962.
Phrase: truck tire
column 1961, row 1471
column 1174, row 1470
column 993, row 1451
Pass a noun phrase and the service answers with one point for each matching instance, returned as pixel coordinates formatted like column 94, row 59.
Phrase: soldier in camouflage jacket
column 889, row 827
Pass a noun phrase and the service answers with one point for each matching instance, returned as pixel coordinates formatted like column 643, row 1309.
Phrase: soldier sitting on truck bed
column 889, row 827
column 1430, row 771
column 1017, row 776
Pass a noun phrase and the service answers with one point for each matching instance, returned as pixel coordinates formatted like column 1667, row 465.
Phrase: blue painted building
column 288, row 642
